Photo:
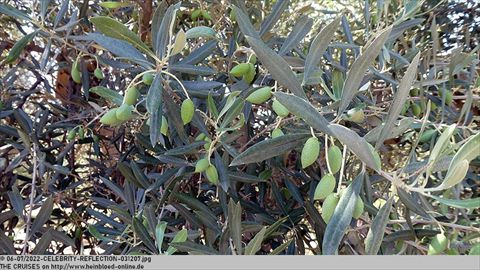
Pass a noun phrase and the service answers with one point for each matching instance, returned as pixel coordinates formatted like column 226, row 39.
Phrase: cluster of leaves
column 128, row 128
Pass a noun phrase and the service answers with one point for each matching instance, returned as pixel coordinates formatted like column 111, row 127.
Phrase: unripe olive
column 475, row 250
column 356, row 115
column 438, row 244
column 212, row 174
column 207, row 146
column 310, row 152
column 277, row 133
column 405, row 108
column 416, row 110
column 253, row 59
column 187, row 110
column 195, row 14
column 328, row 206
column 325, row 187
column 81, row 133
column 124, row 112
column 131, row 96
column 376, row 156
column 279, row 109
column 250, row 75
column 75, row 73
column 233, row 15
column 261, row 95
column 200, row 137
column 427, row 135
column 164, row 126
column 206, row 15
column 433, row 107
column 334, row 158
column 71, row 134
column 202, row 165
column 448, row 97
column 240, row 69
column 147, row 78
column 98, row 73
column 414, row 92
column 359, row 207
column 110, row 118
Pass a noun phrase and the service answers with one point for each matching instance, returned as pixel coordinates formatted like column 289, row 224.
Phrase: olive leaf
column 299, row 31
column 244, row 23
column 305, row 110
column 374, row 238
column 399, row 100
column 277, row 66
column 338, row 223
column 317, row 48
column 356, row 144
column 256, row 243
column 115, row 29
column 269, row 148
column 360, row 66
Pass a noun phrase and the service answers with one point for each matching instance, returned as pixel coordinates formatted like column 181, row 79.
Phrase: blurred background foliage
column 72, row 185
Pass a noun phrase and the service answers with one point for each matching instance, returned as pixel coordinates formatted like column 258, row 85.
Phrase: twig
column 32, row 197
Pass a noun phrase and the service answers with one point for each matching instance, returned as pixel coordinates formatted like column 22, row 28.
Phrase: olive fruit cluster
column 245, row 70
column 204, row 166
column 117, row 116
column 331, row 202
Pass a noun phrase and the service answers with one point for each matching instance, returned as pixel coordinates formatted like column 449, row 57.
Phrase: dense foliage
column 239, row 127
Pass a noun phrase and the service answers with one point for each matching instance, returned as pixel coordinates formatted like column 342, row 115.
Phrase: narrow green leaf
column 441, row 144
column 195, row 204
column 244, row 23
column 256, row 243
column 163, row 36
column 43, row 243
column 113, row 4
column 43, row 216
column 115, row 29
column 359, row 67
column 6, row 244
column 407, row 235
column 13, row 12
column 281, row 248
column 234, row 224
column 341, row 217
column 299, row 31
column 194, row 248
column 277, row 66
column 180, row 237
column 108, row 94
column 273, row 16
column 464, row 203
column 399, row 99
column 19, row 46
column 143, row 234
column 269, row 148
column 374, row 238
column 318, row 47
column 469, row 151
column 356, row 144
column 305, row 110
column 160, row 234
